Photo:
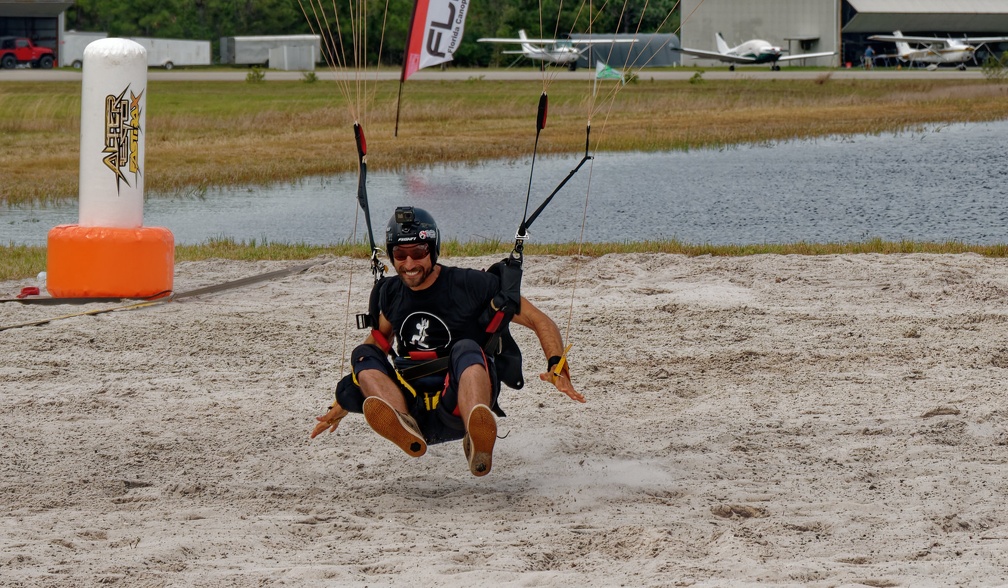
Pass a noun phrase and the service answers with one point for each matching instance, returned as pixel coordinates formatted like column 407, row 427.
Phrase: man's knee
column 368, row 357
column 467, row 353
column 349, row 394
column 464, row 356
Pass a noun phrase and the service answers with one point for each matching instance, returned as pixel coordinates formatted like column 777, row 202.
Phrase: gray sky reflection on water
column 945, row 182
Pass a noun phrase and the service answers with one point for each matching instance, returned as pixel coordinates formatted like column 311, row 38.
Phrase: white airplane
column 752, row 51
column 556, row 51
column 935, row 50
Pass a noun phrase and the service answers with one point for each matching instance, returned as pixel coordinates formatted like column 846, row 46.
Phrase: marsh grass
column 202, row 135
column 20, row 262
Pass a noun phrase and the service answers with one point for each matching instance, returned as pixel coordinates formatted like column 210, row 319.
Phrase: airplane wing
column 984, row 39
column 906, row 39
column 507, row 40
column 806, row 56
column 930, row 40
column 714, row 55
column 552, row 41
column 577, row 41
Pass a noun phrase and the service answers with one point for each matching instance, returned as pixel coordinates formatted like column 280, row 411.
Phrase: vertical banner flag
column 435, row 33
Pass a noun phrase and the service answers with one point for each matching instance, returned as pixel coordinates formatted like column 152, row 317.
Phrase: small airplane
column 556, row 51
column 936, row 50
column 750, row 52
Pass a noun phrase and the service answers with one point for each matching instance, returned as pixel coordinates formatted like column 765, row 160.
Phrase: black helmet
column 412, row 225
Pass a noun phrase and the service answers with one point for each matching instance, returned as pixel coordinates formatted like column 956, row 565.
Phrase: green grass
column 19, row 262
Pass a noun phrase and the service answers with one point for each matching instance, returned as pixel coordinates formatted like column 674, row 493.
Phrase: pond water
column 942, row 182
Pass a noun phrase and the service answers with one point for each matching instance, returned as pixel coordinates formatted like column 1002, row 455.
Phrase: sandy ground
column 770, row 420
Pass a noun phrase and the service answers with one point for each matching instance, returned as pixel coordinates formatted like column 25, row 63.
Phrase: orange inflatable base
column 97, row 262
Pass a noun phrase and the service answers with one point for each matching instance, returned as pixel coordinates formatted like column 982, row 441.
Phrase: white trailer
column 71, row 47
column 289, row 52
column 168, row 53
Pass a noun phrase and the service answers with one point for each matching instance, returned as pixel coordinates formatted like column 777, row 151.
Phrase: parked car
column 16, row 51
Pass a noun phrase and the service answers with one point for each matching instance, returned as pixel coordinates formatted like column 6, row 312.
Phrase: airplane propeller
column 975, row 51
column 972, row 55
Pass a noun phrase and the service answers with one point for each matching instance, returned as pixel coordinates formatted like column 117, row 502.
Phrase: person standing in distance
column 431, row 311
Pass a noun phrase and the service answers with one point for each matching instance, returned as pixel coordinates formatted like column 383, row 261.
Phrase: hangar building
column 647, row 50
column 811, row 26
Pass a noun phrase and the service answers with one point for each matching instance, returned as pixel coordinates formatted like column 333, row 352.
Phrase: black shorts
column 432, row 400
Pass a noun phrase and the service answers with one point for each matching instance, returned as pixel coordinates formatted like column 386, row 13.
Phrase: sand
column 770, row 420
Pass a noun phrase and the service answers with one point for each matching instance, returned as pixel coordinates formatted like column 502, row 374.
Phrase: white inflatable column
column 113, row 117
column 109, row 253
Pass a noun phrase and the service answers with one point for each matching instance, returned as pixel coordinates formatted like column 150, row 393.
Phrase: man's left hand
column 563, row 384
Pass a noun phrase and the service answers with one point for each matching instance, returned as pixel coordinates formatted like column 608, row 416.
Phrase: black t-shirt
column 435, row 318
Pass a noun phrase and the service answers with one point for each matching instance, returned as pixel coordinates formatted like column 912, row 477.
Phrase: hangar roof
column 33, row 8
column 961, row 16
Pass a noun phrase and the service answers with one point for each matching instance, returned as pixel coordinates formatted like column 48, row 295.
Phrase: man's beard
column 414, row 280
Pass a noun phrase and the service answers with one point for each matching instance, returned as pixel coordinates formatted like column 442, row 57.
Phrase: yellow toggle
column 558, row 368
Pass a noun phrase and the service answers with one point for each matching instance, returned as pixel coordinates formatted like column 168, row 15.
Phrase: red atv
column 15, row 51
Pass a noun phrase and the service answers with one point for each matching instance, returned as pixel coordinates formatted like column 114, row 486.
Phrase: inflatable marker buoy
column 109, row 253
column 97, row 262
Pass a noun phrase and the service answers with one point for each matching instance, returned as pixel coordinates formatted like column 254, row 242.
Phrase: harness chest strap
column 434, row 366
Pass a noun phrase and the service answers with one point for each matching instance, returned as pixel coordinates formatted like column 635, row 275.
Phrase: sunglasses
column 417, row 252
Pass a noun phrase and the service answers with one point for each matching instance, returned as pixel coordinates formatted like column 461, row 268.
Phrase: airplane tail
column 722, row 45
column 527, row 48
column 902, row 48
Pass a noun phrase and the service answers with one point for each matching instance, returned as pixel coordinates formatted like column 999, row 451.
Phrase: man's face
column 413, row 264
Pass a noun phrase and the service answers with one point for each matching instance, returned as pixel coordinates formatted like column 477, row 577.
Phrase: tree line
column 213, row 19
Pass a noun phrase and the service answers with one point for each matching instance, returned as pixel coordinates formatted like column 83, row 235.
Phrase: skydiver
column 436, row 311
